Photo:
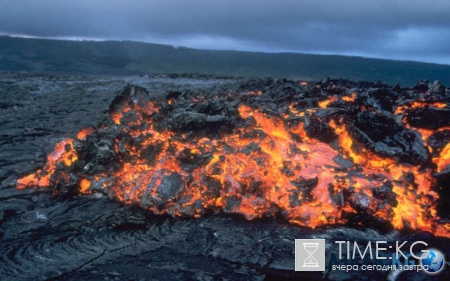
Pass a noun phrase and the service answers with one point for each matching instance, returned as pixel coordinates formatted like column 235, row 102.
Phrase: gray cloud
column 396, row 29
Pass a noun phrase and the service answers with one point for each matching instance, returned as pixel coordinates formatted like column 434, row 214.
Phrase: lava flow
column 308, row 154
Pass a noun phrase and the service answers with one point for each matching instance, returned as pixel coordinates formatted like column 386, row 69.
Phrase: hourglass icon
column 310, row 248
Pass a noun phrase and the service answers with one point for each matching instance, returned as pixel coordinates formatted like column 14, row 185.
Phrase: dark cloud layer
column 396, row 29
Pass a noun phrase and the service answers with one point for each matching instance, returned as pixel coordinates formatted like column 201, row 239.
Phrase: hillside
column 124, row 57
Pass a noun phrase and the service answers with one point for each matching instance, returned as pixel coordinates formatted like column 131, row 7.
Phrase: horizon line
column 99, row 39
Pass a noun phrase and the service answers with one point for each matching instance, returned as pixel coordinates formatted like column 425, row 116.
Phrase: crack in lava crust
column 332, row 159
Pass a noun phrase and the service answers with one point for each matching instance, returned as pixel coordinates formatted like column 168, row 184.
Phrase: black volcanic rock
column 439, row 140
column 428, row 118
column 421, row 86
column 318, row 129
column 386, row 98
column 383, row 135
column 376, row 126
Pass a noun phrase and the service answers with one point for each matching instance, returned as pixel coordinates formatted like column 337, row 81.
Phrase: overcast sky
column 394, row 29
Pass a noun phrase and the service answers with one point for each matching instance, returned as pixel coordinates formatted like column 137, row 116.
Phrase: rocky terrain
column 91, row 237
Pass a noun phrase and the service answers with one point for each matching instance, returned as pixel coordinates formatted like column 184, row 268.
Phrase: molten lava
column 247, row 159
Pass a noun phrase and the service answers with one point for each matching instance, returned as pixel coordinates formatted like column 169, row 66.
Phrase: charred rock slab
column 428, row 118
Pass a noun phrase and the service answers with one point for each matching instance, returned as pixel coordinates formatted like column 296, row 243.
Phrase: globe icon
column 433, row 261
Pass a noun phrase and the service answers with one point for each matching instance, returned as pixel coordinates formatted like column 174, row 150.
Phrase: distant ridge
column 125, row 57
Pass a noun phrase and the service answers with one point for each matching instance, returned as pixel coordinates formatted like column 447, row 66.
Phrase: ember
column 312, row 154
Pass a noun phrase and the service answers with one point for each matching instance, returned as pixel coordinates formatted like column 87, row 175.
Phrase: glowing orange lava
column 266, row 167
column 63, row 153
